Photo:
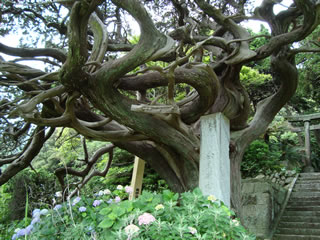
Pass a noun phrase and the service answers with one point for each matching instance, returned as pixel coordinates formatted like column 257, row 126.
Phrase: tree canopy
column 145, row 94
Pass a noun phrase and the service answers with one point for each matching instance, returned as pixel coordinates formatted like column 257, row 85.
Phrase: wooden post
column 137, row 177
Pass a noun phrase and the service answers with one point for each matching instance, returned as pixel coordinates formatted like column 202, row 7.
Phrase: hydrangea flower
column 235, row 222
column 15, row 235
column 57, row 207
column 82, row 209
column 146, row 219
column 28, row 229
column 131, row 229
column 128, row 189
column 58, row 194
column 107, row 192
column 36, row 213
column 44, row 212
column 159, row 206
column 109, row 201
column 119, row 187
column 76, row 200
column 22, row 232
column 35, row 220
column 96, row 203
column 117, row 199
column 100, row 193
column 212, row 198
column 192, row 230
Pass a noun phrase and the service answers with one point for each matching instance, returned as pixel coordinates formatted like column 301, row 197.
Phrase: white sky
column 13, row 40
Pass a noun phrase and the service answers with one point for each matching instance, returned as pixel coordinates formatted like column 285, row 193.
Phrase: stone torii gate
column 306, row 119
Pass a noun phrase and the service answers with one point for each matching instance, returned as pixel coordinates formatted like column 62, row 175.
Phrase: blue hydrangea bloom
column 96, row 203
column 35, row 220
column 57, row 207
column 76, row 200
column 36, row 212
column 28, row 229
column 82, row 209
column 44, row 212
column 21, row 232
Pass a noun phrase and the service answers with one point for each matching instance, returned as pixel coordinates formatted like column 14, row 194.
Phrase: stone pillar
column 308, row 166
column 137, row 177
column 214, row 175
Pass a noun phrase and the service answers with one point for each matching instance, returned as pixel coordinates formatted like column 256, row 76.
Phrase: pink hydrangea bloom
column 117, row 199
column 128, row 189
column 146, row 219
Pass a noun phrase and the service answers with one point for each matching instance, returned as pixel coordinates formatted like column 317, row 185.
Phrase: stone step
column 305, row 195
column 299, row 231
column 306, row 181
column 309, row 176
column 303, row 208
column 299, row 225
column 306, row 187
column 302, row 198
column 294, row 237
column 301, row 213
column 303, row 204
column 309, row 219
column 314, row 174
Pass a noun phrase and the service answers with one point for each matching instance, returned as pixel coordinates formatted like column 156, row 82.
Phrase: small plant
column 165, row 216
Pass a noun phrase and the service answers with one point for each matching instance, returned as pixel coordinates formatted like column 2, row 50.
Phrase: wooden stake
column 137, row 177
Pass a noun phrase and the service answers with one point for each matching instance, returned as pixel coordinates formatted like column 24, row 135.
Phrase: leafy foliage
column 152, row 216
column 40, row 187
column 259, row 158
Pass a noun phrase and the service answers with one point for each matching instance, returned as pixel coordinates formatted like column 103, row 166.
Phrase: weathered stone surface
column 260, row 176
column 262, row 202
column 289, row 180
column 214, row 177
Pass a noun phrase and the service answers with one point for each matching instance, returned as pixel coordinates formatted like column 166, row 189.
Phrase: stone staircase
column 301, row 218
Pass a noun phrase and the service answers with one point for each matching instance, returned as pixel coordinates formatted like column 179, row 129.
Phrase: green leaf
column 168, row 195
column 106, row 223
column 197, row 191
column 119, row 211
column 127, row 205
column 112, row 216
column 105, row 211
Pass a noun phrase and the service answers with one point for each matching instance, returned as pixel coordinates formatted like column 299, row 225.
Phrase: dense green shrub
column 258, row 158
column 165, row 216
column 40, row 185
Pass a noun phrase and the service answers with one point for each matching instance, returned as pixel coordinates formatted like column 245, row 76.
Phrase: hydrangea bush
column 109, row 216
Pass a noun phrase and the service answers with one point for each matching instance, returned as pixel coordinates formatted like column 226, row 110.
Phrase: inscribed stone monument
column 214, row 176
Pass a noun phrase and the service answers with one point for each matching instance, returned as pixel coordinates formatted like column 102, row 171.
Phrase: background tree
column 92, row 71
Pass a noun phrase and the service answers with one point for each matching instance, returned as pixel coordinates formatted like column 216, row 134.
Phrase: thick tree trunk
column 236, row 155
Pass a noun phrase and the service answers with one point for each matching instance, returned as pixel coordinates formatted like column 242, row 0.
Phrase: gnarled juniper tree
column 93, row 71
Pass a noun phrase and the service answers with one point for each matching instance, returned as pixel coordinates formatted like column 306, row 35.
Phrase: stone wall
column 262, row 201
